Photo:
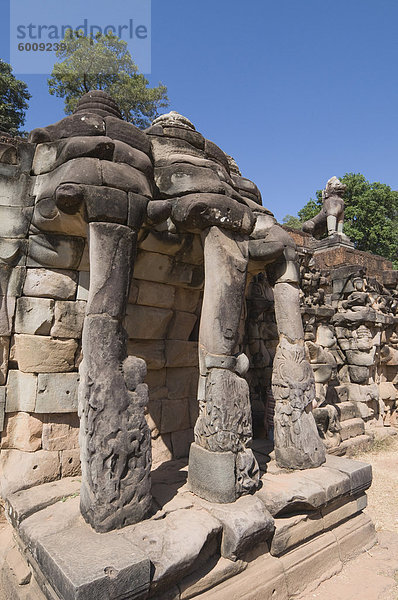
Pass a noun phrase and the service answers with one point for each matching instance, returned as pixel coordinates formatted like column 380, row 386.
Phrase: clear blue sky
column 296, row 91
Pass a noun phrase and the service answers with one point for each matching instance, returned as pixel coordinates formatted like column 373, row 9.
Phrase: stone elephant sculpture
column 100, row 178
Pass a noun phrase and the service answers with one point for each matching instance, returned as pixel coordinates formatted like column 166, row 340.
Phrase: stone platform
column 296, row 530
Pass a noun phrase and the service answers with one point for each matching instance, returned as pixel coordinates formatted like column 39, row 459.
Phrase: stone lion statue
column 331, row 217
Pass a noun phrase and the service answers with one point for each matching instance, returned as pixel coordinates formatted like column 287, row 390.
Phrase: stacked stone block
column 45, row 280
column 44, row 289
column 344, row 307
column 356, row 304
column 41, row 321
column 260, row 342
column 162, row 323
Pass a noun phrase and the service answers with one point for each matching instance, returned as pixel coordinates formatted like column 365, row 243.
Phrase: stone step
column 361, row 442
column 21, row 505
column 291, row 531
column 351, row 428
column 301, row 569
column 170, row 549
column 289, row 493
column 346, row 410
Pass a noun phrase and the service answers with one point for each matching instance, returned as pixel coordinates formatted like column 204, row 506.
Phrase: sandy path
column 383, row 495
column 374, row 574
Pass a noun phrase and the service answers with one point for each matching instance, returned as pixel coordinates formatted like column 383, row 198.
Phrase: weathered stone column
column 297, row 442
column 100, row 170
column 114, row 436
column 222, row 466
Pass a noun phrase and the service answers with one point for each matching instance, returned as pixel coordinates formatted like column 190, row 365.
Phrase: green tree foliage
column 14, row 98
column 308, row 211
column 104, row 63
column 311, row 209
column 370, row 216
column 291, row 221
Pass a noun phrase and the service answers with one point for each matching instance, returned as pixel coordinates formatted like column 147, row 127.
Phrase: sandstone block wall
column 163, row 330
column 43, row 300
column 44, row 283
column 41, row 318
column 349, row 303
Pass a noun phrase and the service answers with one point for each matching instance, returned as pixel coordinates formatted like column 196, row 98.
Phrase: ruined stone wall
column 349, row 308
column 41, row 318
column 260, row 342
column 46, row 280
column 43, row 300
column 44, row 288
column 163, row 330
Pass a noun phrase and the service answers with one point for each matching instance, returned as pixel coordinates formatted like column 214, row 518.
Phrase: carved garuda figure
column 100, row 179
column 330, row 219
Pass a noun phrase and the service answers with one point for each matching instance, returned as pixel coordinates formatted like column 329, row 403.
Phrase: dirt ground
column 383, row 495
column 374, row 574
